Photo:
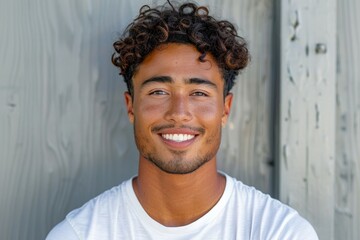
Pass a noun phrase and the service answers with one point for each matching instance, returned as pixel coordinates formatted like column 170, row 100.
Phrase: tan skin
column 175, row 93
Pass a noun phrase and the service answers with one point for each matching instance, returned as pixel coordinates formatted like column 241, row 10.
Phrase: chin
column 179, row 165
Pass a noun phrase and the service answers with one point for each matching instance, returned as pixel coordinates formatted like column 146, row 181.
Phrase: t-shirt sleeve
column 278, row 221
column 267, row 218
column 62, row 231
column 298, row 229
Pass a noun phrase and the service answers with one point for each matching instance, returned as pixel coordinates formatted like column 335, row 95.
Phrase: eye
column 199, row 94
column 158, row 92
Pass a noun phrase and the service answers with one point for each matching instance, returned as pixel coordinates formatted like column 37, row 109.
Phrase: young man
column 179, row 65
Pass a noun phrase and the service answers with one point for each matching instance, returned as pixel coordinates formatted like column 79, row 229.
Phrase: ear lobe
column 227, row 108
column 129, row 106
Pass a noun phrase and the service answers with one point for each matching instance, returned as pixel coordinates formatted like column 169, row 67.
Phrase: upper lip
column 179, row 131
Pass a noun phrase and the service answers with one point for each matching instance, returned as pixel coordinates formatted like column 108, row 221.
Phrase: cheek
column 211, row 112
column 148, row 110
column 151, row 107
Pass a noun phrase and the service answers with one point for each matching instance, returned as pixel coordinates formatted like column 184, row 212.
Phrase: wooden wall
column 306, row 137
column 247, row 150
column 347, row 171
column 319, row 114
column 65, row 137
column 64, row 133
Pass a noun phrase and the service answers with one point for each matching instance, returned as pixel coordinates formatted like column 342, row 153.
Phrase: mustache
column 167, row 126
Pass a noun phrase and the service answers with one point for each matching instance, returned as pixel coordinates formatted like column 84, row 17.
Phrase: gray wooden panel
column 64, row 133
column 347, row 187
column 306, row 147
column 247, row 151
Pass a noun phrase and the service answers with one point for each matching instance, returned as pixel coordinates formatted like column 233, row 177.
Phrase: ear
column 129, row 106
column 227, row 108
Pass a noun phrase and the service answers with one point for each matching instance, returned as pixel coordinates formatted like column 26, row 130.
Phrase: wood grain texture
column 347, row 187
column 246, row 150
column 64, row 133
column 66, row 136
column 306, row 147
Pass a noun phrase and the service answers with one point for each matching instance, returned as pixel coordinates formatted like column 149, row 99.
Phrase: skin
column 175, row 93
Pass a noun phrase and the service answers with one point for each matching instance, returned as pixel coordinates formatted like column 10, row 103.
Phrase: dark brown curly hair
column 188, row 24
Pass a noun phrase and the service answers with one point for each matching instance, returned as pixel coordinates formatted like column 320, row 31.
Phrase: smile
column 178, row 137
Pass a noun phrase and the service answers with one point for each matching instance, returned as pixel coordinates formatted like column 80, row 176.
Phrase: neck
column 178, row 199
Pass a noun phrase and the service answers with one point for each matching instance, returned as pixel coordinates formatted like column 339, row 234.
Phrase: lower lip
column 174, row 144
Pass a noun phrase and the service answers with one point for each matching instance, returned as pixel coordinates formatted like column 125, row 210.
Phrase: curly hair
column 188, row 24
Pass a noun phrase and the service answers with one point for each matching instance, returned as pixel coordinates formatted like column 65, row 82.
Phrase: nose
column 178, row 109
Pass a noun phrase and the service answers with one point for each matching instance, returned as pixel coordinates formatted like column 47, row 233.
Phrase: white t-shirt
column 241, row 213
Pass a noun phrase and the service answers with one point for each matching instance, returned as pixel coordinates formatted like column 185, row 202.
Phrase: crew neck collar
column 203, row 221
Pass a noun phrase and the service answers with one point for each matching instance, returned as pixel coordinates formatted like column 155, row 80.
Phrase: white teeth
column 178, row 137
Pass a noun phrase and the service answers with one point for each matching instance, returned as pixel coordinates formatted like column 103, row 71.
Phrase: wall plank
column 247, row 151
column 347, row 187
column 63, row 126
column 64, row 133
column 306, row 147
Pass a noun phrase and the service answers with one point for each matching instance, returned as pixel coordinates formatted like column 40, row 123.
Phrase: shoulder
column 61, row 231
column 268, row 218
column 99, row 206
column 95, row 214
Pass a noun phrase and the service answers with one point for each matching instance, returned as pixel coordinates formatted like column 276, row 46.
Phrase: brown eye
column 158, row 92
column 199, row 94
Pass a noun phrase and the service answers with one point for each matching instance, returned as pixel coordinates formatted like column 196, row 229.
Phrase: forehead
column 177, row 61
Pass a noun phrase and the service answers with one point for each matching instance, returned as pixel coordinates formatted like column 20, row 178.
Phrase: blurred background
column 294, row 130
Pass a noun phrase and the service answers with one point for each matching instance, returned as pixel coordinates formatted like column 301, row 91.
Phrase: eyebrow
column 199, row 81
column 159, row 79
column 167, row 79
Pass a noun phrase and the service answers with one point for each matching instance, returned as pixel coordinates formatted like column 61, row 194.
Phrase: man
column 179, row 65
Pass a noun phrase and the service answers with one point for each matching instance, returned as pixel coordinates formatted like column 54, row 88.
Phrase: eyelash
column 195, row 94
column 158, row 92
column 199, row 94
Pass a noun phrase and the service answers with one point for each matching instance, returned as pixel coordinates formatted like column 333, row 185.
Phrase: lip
column 178, row 145
column 175, row 144
column 179, row 131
